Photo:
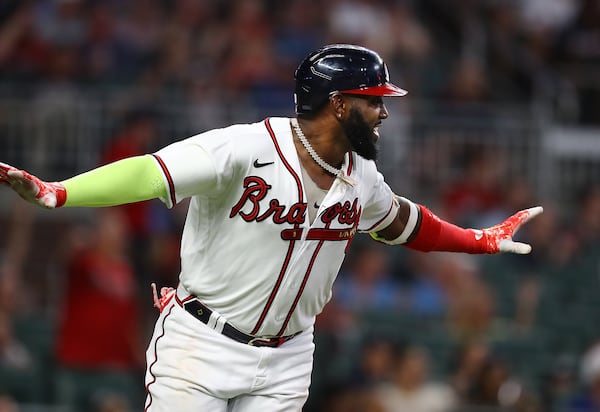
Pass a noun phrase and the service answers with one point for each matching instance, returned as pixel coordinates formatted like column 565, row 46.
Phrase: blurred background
column 503, row 112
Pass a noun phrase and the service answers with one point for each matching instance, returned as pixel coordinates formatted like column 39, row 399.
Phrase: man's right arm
column 126, row 181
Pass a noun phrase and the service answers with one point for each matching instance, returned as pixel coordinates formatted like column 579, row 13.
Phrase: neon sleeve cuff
column 130, row 180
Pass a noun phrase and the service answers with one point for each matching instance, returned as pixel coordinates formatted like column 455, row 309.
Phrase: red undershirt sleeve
column 432, row 233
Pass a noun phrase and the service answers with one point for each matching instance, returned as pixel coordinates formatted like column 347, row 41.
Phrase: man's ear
column 338, row 104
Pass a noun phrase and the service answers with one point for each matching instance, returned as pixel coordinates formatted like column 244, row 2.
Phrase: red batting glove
column 166, row 294
column 32, row 189
column 436, row 234
column 499, row 238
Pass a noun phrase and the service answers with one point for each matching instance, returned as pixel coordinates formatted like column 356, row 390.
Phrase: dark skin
column 327, row 137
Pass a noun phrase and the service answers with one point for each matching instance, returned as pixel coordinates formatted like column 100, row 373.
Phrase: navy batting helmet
column 343, row 68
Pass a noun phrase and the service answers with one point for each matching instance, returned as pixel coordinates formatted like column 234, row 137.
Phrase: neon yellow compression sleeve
column 126, row 181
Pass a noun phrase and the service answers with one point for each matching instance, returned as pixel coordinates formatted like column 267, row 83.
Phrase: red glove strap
column 61, row 194
column 436, row 234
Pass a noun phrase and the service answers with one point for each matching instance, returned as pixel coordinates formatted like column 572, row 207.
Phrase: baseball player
column 274, row 207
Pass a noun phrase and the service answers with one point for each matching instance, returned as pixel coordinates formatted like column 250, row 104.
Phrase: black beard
column 360, row 135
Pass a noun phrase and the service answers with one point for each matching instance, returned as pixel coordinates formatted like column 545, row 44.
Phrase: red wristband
column 61, row 193
column 436, row 234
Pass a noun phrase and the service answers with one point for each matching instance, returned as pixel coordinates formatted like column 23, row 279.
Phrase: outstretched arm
column 418, row 228
column 127, row 181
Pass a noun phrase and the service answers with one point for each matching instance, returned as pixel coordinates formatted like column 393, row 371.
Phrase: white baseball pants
column 191, row 367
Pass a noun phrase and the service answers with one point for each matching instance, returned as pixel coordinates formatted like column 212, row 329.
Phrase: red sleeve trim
column 169, row 179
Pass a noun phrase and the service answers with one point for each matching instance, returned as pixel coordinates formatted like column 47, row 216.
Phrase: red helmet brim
column 387, row 89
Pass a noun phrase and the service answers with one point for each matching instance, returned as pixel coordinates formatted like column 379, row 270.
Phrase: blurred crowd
column 405, row 331
column 466, row 51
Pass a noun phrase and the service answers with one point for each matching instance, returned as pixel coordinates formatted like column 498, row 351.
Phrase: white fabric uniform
column 248, row 250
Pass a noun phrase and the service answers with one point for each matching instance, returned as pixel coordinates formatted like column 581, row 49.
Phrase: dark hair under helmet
column 344, row 68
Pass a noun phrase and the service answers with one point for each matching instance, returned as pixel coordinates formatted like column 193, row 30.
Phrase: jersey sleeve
column 381, row 207
column 199, row 165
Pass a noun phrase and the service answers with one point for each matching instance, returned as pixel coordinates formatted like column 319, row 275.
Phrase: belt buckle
column 273, row 341
column 252, row 341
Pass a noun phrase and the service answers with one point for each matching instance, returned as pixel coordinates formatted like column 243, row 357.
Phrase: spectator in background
column 186, row 57
column 558, row 384
column 8, row 404
column 509, row 69
column 588, row 223
column 112, row 403
column 468, row 363
column 520, row 45
column 410, row 46
column 19, row 235
column 394, row 28
column 589, row 398
column 249, row 58
column 375, row 362
column 471, row 314
column 13, row 354
column 424, row 294
column 9, row 288
column 367, row 283
column 411, row 388
column 18, row 365
column 577, row 56
column 62, row 23
column 365, row 22
column 513, row 190
column 163, row 255
column 58, row 110
column 364, row 286
column 100, row 53
column 351, row 399
column 299, row 30
column 99, row 347
column 139, row 30
column 477, row 190
column 467, row 84
column 16, row 22
column 136, row 136
column 470, row 301
column 496, row 387
column 528, row 290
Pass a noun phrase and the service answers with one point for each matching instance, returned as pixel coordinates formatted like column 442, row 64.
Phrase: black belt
column 202, row 313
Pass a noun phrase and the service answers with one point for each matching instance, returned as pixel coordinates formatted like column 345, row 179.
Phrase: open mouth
column 376, row 131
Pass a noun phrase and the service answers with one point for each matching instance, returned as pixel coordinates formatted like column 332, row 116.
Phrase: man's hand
column 499, row 238
column 166, row 294
column 32, row 189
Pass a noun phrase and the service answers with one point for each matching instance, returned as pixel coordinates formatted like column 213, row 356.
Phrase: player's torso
column 252, row 253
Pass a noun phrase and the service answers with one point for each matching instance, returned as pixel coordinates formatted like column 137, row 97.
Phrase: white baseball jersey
column 248, row 250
